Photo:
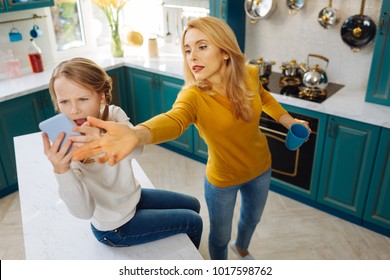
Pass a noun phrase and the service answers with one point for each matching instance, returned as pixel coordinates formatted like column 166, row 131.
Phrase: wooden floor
column 288, row 230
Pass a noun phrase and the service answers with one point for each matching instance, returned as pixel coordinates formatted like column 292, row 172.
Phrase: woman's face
column 206, row 60
column 77, row 102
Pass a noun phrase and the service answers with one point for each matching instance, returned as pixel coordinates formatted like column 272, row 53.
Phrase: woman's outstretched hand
column 118, row 141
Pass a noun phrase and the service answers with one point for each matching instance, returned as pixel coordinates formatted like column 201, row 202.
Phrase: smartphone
column 57, row 124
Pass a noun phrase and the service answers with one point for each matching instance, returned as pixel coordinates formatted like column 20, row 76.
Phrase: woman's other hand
column 287, row 121
column 118, row 141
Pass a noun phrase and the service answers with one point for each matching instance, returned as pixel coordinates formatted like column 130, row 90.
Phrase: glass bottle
column 34, row 54
column 13, row 65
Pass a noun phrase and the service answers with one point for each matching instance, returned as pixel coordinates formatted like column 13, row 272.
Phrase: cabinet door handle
column 40, row 103
column 221, row 8
column 155, row 83
column 382, row 23
column 330, row 129
column 48, row 100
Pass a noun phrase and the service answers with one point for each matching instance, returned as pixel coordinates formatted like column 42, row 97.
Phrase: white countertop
column 347, row 102
column 51, row 232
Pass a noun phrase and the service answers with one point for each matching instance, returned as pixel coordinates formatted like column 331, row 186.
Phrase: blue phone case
column 57, row 124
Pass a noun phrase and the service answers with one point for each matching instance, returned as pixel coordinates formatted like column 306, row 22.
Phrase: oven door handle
column 297, row 152
column 273, row 131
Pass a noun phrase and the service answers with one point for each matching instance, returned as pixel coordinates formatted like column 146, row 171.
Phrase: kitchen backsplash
column 20, row 47
column 281, row 37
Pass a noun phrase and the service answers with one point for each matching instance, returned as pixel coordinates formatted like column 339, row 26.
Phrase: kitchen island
column 52, row 233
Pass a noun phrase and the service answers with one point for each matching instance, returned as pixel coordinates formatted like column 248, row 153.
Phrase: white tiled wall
column 282, row 37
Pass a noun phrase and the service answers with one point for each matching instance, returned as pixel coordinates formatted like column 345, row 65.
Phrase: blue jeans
column 159, row 214
column 221, row 202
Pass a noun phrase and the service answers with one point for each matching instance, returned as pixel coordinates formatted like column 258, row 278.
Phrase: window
column 80, row 26
column 68, row 24
column 73, row 31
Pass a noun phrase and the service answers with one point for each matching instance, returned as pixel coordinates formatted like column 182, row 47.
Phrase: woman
column 121, row 213
column 224, row 99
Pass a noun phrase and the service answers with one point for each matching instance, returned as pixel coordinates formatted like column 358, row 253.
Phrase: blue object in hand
column 296, row 136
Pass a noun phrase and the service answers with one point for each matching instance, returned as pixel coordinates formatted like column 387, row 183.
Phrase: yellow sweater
column 237, row 150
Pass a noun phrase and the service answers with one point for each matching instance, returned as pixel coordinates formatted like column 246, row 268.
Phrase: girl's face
column 77, row 102
column 206, row 60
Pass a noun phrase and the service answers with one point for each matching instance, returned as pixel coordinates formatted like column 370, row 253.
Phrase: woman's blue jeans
column 221, row 202
column 159, row 214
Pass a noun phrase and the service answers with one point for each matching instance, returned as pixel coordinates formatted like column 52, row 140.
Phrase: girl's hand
column 119, row 141
column 88, row 132
column 56, row 154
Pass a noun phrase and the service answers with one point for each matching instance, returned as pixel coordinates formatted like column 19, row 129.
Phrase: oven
column 294, row 167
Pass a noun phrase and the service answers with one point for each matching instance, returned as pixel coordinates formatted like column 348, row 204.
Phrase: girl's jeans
column 221, row 202
column 159, row 214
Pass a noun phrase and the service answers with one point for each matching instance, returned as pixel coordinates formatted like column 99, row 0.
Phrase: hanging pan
column 358, row 31
column 294, row 6
column 258, row 9
column 328, row 16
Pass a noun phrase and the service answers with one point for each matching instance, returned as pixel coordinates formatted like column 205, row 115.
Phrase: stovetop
column 296, row 91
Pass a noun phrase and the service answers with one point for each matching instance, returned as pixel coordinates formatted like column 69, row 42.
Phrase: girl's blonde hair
column 85, row 73
column 237, row 90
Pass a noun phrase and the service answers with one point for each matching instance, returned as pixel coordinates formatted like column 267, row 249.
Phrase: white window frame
column 90, row 42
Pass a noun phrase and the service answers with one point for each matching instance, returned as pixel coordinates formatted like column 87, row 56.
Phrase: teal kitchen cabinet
column 152, row 94
column 378, row 88
column 119, row 97
column 142, row 87
column 377, row 210
column 45, row 103
column 233, row 13
column 200, row 147
column 17, row 5
column 169, row 88
column 348, row 160
column 19, row 116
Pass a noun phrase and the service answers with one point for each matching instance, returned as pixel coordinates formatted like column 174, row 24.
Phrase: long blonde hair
column 85, row 73
column 237, row 91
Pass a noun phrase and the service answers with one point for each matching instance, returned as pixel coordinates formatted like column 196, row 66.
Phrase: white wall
column 20, row 48
column 282, row 37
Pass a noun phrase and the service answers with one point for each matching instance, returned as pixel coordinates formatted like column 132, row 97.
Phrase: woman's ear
column 226, row 56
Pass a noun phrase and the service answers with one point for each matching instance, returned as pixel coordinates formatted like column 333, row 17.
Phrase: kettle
column 314, row 77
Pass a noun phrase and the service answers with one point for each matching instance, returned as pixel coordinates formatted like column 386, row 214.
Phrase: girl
column 121, row 213
column 224, row 99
